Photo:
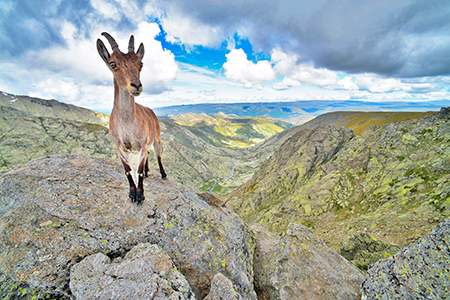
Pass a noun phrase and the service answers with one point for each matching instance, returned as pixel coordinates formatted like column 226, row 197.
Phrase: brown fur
column 132, row 127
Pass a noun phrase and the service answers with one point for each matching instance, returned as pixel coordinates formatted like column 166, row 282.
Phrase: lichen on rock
column 146, row 272
column 419, row 271
column 58, row 210
column 301, row 266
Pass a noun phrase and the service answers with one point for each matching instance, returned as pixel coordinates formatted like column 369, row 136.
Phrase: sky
column 229, row 51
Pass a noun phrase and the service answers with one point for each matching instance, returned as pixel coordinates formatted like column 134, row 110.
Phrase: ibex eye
column 113, row 65
column 141, row 66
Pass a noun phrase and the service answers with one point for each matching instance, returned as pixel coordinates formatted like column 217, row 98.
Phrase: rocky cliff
column 392, row 180
column 68, row 231
column 420, row 271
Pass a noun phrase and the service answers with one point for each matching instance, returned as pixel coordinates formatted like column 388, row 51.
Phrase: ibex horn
column 131, row 45
column 111, row 41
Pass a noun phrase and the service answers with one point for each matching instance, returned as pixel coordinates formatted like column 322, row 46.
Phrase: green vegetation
column 391, row 179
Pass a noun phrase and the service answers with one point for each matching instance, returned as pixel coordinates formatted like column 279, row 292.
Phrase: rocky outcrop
column 363, row 250
column 419, row 271
column 300, row 266
column 222, row 289
column 146, row 272
column 60, row 213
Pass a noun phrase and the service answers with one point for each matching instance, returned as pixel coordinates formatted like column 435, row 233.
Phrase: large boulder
column 301, row 266
column 58, row 210
column 419, row 271
column 222, row 289
column 363, row 250
column 146, row 272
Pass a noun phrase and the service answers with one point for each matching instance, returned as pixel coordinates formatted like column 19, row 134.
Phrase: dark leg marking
column 140, row 188
column 146, row 165
column 161, row 168
column 132, row 193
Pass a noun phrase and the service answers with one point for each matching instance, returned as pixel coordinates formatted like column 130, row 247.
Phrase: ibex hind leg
column 157, row 147
column 146, row 166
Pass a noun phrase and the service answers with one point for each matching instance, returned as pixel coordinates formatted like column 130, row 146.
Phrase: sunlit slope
column 359, row 121
column 231, row 130
column 391, row 180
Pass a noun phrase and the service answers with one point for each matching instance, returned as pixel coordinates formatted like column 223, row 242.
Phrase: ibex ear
column 104, row 54
column 140, row 51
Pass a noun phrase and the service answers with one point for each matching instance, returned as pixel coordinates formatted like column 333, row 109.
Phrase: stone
column 363, row 250
column 58, row 210
column 419, row 271
column 146, row 272
column 301, row 266
column 222, row 289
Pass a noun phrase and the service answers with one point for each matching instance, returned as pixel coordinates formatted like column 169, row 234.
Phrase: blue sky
column 230, row 51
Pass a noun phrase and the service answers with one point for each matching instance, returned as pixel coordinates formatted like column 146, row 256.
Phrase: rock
column 419, row 271
column 146, row 272
column 58, row 210
column 363, row 250
column 222, row 289
column 301, row 266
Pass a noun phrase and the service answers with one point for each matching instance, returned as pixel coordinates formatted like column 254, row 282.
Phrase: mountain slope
column 392, row 181
column 24, row 137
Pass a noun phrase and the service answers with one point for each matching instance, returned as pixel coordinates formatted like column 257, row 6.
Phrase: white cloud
column 187, row 31
column 347, row 83
column 284, row 63
column 307, row 73
column 297, row 73
column 286, row 83
column 376, row 84
column 240, row 69
column 106, row 9
column 160, row 68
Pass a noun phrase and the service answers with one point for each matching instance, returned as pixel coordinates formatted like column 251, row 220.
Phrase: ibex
column 132, row 127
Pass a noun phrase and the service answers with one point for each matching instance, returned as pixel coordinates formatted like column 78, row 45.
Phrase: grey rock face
column 146, row 272
column 58, row 210
column 222, row 289
column 300, row 266
column 419, row 271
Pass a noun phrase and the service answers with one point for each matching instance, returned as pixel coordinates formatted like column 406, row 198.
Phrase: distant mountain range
column 298, row 112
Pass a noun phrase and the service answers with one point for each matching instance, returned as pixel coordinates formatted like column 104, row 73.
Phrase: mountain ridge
column 392, row 181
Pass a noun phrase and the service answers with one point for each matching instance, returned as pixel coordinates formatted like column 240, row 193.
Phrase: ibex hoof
column 132, row 195
column 140, row 196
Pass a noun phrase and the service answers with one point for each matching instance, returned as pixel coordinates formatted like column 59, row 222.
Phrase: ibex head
column 126, row 67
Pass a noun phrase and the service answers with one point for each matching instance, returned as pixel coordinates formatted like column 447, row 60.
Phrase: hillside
column 32, row 128
column 392, row 180
column 232, row 130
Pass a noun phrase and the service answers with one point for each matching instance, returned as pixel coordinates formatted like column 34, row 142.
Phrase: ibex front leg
column 124, row 158
column 142, row 162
